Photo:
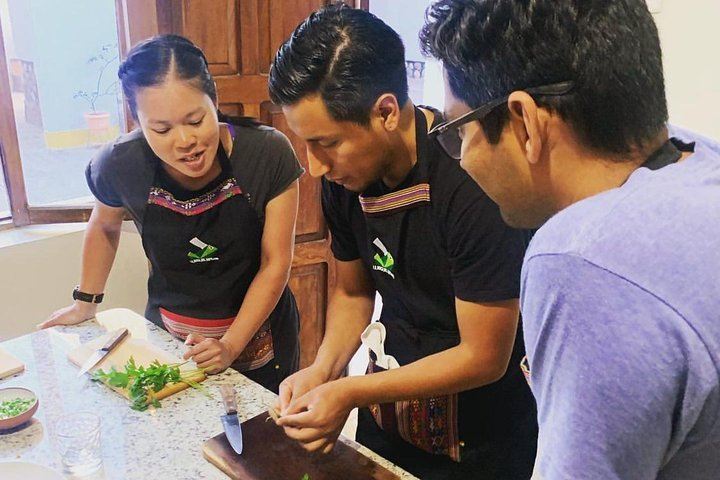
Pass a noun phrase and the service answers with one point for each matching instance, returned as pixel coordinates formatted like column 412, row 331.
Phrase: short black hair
column 348, row 56
column 610, row 49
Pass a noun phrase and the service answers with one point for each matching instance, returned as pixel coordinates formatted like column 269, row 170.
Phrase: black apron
column 669, row 153
column 478, row 433
column 204, row 249
column 400, row 248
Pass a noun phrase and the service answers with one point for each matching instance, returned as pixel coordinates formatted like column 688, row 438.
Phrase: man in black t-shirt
column 409, row 223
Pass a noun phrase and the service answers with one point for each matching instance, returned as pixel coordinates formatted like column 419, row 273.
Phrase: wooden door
column 240, row 38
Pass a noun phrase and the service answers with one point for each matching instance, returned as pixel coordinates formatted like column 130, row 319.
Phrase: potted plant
column 98, row 122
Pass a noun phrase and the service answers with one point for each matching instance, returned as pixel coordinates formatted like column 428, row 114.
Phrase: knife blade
column 230, row 421
column 99, row 354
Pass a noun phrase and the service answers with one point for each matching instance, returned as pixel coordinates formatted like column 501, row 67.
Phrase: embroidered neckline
column 395, row 201
column 224, row 191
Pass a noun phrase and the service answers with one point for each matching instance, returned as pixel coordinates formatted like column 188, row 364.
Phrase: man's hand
column 70, row 315
column 209, row 352
column 317, row 418
column 298, row 384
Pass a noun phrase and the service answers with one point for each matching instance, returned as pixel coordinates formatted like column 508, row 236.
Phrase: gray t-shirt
column 621, row 302
column 262, row 161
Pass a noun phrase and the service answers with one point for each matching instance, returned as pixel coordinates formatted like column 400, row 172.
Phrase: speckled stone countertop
column 163, row 443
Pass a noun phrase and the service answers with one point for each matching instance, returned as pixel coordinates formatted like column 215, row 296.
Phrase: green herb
column 143, row 382
column 305, row 477
column 14, row 407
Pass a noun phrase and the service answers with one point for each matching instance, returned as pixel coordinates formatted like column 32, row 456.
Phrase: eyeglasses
column 446, row 133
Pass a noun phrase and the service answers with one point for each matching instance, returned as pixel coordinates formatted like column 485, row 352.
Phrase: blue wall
column 59, row 37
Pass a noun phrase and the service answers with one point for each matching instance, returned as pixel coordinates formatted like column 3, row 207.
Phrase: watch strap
column 87, row 297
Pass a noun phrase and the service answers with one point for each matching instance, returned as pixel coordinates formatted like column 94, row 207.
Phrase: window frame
column 136, row 20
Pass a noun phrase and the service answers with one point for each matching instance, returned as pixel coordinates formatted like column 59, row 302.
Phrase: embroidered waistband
column 181, row 326
column 395, row 201
column 257, row 353
column 430, row 424
column 226, row 190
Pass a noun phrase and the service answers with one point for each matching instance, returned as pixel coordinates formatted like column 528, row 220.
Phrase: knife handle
column 116, row 338
column 228, row 396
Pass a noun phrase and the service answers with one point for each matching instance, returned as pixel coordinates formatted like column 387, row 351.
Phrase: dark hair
column 348, row 56
column 151, row 61
column 609, row 49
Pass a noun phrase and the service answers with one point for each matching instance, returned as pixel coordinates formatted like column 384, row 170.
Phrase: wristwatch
column 87, row 297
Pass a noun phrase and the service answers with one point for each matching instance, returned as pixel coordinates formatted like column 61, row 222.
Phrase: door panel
column 240, row 38
column 212, row 25
column 309, row 284
column 310, row 222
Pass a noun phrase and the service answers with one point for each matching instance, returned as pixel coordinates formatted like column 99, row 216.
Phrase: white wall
column 406, row 17
column 40, row 265
column 690, row 37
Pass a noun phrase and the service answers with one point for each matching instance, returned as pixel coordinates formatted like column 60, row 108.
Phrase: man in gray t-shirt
column 621, row 294
column 561, row 107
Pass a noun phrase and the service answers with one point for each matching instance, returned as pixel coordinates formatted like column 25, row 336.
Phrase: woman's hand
column 70, row 315
column 211, row 353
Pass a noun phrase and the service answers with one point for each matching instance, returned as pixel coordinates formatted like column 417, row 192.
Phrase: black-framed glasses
column 446, row 133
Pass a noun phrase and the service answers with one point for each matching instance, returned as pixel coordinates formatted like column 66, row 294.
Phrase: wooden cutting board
column 9, row 365
column 269, row 454
column 142, row 351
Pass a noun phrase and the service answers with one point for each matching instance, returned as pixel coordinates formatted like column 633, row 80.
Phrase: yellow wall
column 79, row 138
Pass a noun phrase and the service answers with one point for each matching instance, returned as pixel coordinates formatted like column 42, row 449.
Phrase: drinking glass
column 78, row 440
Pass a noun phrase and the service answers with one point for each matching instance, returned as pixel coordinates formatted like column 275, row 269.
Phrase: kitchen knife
column 230, row 420
column 99, row 354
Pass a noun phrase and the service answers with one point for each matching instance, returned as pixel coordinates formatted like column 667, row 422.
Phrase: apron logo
column 384, row 263
column 205, row 254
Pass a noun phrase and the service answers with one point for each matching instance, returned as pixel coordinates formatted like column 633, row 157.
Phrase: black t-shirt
column 481, row 255
column 455, row 246
column 262, row 160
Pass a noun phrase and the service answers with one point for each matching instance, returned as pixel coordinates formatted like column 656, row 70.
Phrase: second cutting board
column 9, row 365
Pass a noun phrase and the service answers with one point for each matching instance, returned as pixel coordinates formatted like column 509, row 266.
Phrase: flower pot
column 98, row 125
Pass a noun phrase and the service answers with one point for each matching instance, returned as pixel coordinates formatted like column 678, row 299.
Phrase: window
column 4, row 201
column 59, row 99
column 425, row 85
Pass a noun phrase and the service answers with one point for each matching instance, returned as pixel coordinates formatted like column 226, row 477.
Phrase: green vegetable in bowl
column 142, row 382
column 14, row 407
